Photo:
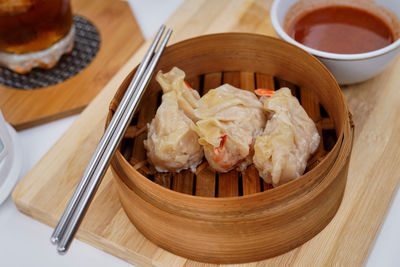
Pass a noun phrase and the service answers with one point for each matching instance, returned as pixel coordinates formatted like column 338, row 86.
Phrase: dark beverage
column 33, row 25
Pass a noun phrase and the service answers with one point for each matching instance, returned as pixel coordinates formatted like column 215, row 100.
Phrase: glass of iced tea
column 34, row 33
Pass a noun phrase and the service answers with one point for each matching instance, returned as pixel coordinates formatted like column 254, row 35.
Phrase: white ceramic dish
column 10, row 159
column 347, row 68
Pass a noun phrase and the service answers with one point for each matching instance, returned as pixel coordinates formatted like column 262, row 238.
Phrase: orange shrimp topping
column 264, row 92
column 218, row 155
column 188, row 85
column 251, row 143
column 222, row 143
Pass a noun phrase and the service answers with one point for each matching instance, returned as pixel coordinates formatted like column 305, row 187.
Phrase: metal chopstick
column 60, row 228
column 71, row 226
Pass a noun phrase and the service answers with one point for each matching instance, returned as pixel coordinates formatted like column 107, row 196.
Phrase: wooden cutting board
column 120, row 38
column 372, row 180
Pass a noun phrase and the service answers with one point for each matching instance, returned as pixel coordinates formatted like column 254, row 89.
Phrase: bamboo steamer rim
column 266, row 202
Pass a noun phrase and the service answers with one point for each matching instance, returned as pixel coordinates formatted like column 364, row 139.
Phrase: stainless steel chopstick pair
column 70, row 219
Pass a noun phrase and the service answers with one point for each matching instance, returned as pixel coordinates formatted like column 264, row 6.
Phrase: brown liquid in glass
column 33, row 25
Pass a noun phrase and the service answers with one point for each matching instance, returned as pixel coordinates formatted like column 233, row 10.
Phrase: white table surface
column 25, row 242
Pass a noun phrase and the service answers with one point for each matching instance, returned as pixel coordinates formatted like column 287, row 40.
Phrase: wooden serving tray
column 346, row 241
column 120, row 37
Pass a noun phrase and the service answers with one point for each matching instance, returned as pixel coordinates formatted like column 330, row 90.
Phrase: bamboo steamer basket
column 193, row 215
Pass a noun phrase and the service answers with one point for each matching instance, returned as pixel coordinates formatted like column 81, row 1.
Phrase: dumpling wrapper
column 229, row 121
column 172, row 144
column 187, row 98
column 289, row 138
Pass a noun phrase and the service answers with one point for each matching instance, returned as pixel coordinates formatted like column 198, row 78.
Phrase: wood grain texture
column 119, row 40
column 346, row 240
column 183, row 182
column 205, row 182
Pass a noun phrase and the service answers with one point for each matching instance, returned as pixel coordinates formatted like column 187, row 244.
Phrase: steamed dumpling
column 186, row 97
column 229, row 121
column 172, row 144
column 289, row 138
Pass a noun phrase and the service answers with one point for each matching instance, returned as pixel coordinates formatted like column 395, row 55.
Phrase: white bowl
column 347, row 68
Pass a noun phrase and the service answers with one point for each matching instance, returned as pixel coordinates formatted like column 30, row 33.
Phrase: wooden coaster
column 120, row 37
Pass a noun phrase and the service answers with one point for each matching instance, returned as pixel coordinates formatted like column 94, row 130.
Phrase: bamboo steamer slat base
column 217, row 221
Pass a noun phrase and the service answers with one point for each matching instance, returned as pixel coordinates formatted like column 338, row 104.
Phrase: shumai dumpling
column 187, row 98
column 229, row 121
column 172, row 144
column 289, row 138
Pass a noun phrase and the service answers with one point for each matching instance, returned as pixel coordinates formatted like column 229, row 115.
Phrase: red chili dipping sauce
column 341, row 29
